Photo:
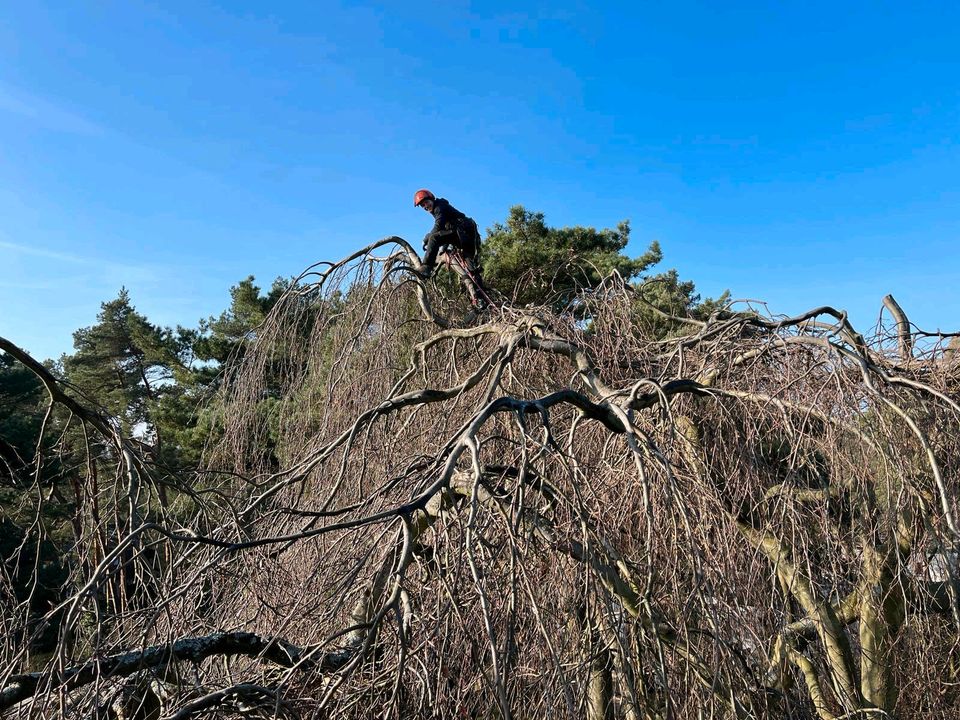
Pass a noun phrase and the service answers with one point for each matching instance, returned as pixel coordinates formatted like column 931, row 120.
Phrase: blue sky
column 797, row 153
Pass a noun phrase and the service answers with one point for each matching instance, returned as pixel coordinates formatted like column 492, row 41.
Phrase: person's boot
column 477, row 308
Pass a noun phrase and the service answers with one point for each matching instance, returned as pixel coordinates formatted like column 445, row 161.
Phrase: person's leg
column 434, row 246
column 476, row 280
column 462, row 267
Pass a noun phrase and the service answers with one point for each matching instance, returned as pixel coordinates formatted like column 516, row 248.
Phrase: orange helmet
column 422, row 195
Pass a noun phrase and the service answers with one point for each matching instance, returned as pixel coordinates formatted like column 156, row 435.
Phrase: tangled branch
column 410, row 517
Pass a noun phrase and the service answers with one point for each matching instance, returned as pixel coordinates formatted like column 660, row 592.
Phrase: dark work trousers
column 464, row 264
column 469, row 273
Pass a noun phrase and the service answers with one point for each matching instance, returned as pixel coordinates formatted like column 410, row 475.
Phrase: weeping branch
column 740, row 516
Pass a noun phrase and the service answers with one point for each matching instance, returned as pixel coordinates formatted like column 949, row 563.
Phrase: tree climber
column 453, row 229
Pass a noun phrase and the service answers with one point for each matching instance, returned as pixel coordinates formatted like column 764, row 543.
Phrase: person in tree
column 456, row 237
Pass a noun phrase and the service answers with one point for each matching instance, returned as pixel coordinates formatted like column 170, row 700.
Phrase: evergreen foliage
column 21, row 416
column 533, row 263
column 124, row 363
column 219, row 338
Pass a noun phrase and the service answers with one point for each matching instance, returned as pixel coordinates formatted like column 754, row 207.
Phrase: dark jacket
column 450, row 227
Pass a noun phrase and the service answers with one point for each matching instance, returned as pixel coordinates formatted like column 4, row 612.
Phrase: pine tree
column 531, row 262
column 125, row 364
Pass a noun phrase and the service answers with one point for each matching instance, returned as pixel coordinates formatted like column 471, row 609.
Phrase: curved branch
column 18, row 688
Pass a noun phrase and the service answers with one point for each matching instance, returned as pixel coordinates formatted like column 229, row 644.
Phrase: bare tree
column 527, row 517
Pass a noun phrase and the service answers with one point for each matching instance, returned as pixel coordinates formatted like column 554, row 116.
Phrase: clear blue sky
column 800, row 153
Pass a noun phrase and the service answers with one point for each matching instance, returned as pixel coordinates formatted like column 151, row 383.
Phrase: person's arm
column 443, row 221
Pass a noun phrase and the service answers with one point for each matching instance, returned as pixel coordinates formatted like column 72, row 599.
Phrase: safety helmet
column 422, row 195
